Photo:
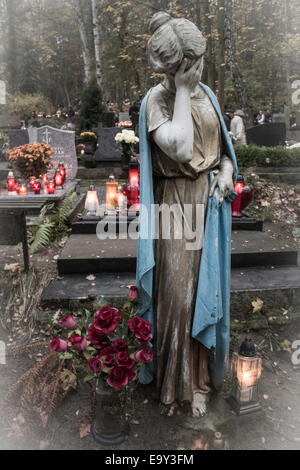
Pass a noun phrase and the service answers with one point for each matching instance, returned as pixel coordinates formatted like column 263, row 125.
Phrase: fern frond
column 66, row 207
column 42, row 237
column 41, row 218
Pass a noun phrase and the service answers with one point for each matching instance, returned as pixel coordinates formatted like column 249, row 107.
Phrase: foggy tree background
column 50, row 48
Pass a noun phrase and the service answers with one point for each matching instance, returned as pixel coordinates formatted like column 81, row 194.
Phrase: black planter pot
column 109, row 427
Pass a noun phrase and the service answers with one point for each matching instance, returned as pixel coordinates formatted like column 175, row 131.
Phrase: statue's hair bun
column 158, row 20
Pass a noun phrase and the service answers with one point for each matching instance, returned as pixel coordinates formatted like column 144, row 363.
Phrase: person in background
column 268, row 117
column 228, row 117
column 261, row 118
column 237, row 127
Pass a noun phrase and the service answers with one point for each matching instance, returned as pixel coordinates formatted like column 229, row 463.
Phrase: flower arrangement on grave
column 31, row 159
column 124, row 124
column 106, row 342
column 129, row 142
column 88, row 137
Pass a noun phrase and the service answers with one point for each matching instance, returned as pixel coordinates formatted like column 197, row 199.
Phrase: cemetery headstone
column 109, row 119
column 267, row 135
column 9, row 122
column 109, row 152
column 278, row 117
column 18, row 137
column 124, row 117
column 298, row 119
column 63, row 145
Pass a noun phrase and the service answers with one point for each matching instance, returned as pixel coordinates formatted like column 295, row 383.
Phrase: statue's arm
column 223, row 180
column 176, row 137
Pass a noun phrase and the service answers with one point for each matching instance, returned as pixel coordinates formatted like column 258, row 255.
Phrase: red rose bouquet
column 107, row 342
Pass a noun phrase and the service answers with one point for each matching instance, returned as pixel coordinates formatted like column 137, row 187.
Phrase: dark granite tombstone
column 18, row 137
column 63, row 145
column 109, row 152
column 109, row 119
column 267, row 135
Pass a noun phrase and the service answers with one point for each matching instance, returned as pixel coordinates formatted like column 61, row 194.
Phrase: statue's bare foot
column 167, row 410
column 199, row 404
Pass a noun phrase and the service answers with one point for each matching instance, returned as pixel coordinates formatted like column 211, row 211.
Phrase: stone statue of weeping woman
column 186, row 159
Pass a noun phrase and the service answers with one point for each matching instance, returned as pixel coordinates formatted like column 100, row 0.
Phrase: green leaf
column 65, row 355
column 87, row 378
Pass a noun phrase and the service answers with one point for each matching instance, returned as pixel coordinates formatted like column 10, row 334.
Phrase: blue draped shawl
column 211, row 323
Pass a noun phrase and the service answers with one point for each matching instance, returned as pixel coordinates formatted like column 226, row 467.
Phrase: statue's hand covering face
column 173, row 39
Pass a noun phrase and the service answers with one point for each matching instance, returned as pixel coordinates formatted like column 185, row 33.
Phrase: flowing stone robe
column 181, row 362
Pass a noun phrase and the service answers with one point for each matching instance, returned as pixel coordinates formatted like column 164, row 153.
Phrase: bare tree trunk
column 209, row 55
column 84, row 42
column 97, row 42
column 232, row 62
column 11, row 59
column 221, row 61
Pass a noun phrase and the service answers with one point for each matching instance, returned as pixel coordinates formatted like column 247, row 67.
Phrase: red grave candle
column 36, row 187
column 31, row 182
column 45, row 180
column 58, row 179
column 63, row 171
column 10, row 183
column 51, row 187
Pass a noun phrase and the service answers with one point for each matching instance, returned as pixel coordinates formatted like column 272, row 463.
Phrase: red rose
column 78, row 342
column 141, row 328
column 120, row 377
column 68, row 321
column 98, row 339
column 95, row 364
column 107, row 319
column 58, row 345
column 144, row 356
column 109, row 354
column 120, row 344
column 133, row 293
column 123, row 359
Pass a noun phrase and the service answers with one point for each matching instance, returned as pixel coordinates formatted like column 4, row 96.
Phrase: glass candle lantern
column 246, row 370
column 63, row 172
column 23, row 190
column 58, row 180
column 51, row 187
column 45, row 180
column 10, row 183
column 31, row 182
column 36, row 187
column 133, row 186
column 91, row 202
column 236, row 205
column 122, row 200
column 111, row 194
column 17, row 187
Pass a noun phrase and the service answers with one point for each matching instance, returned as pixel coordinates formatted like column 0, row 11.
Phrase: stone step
column 87, row 254
column 88, row 225
column 278, row 287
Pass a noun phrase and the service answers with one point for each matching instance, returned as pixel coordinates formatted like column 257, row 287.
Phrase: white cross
column 47, row 136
